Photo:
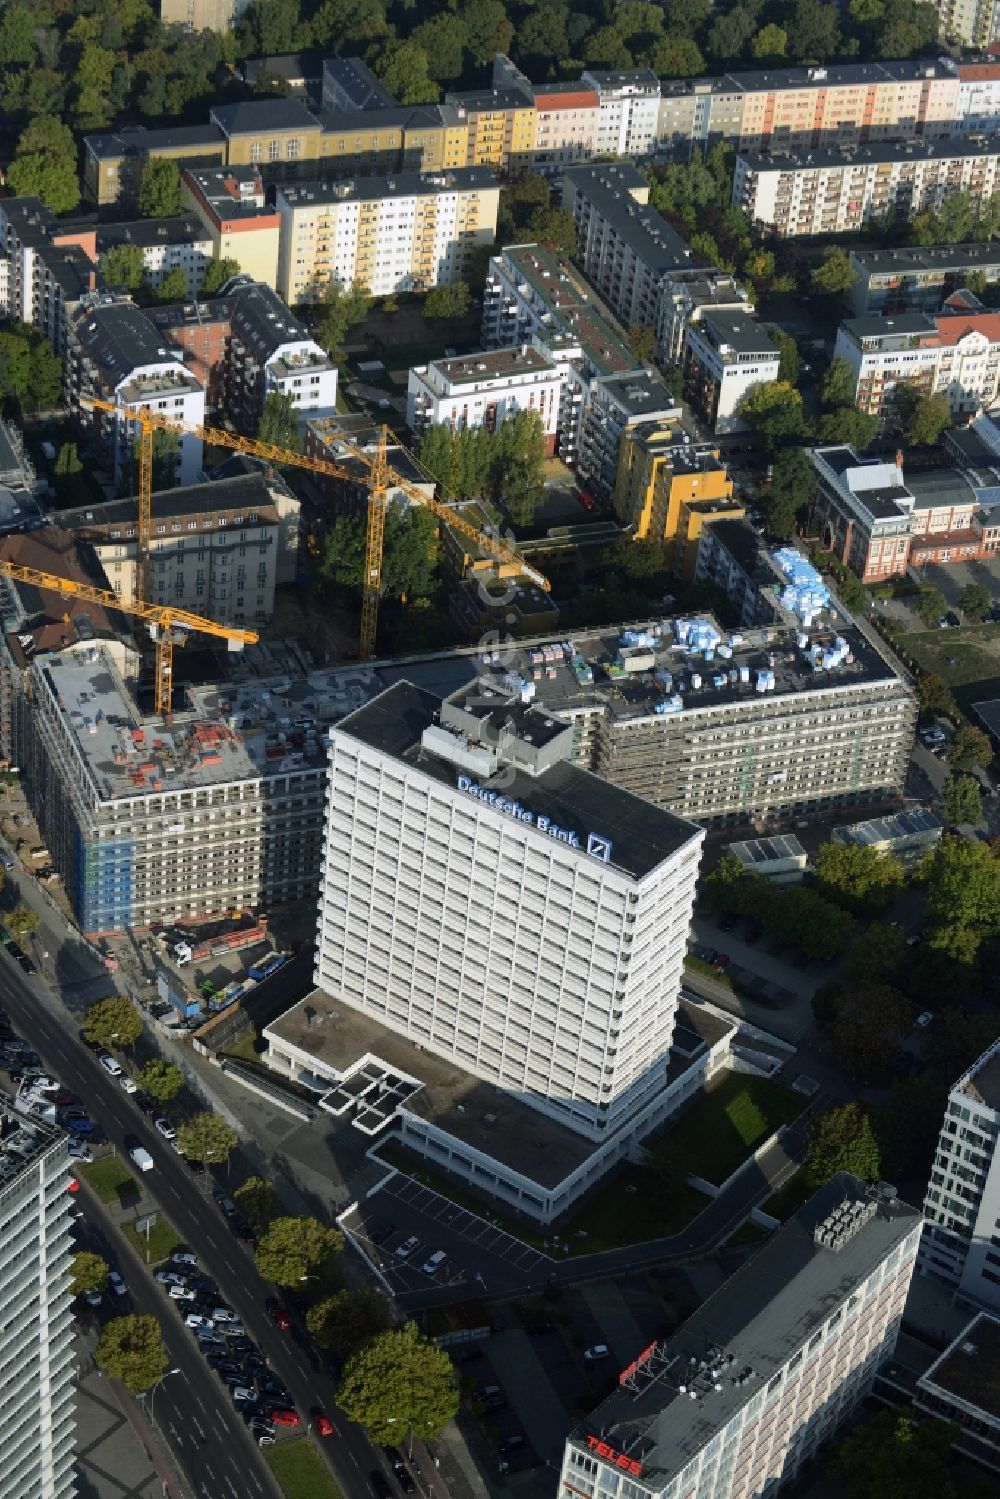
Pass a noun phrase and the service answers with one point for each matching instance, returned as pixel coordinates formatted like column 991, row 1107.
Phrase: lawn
column 112, row 1181
column 783, row 1203
column 975, row 652
column 300, row 1471
column 163, row 1239
column 736, row 1112
column 634, row 1206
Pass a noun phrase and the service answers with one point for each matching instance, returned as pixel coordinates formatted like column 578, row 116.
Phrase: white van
column 141, row 1158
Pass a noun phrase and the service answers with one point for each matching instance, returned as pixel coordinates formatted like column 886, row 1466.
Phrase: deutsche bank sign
column 597, row 846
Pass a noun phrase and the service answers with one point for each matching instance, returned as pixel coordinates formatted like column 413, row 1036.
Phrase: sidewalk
column 117, row 1455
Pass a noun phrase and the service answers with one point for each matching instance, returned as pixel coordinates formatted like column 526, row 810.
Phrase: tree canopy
column 161, row 195
column 974, row 601
column 894, row 1455
column 44, row 164
column 834, row 275
column 292, row 1250
column 90, row 1272
column 113, row 1022
column 842, row 1140
column 279, row 422
column 161, row 1080
column 399, row 1381
column 858, row 876
column 785, row 500
column 217, row 273
column 341, row 310
column 969, row 748
column 31, row 375
column 871, row 1021
column 773, row 409
column 409, row 554
column 257, row 1201
column 923, row 417
column 348, row 1318
column 131, row 1349
column 963, row 802
column 206, row 1138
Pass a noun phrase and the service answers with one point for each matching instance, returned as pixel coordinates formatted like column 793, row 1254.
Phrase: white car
column 181, row 1293
column 195, row 1319
column 243, row 1395
column 171, row 1278
column 109, row 1064
column 128, row 1084
column 924, row 1018
column 433, row 1265
column 117, row 1284
column 184, row 1257
column 165, row 1128
column 404, row 1250
column 599, row 1351
column 223, row 1314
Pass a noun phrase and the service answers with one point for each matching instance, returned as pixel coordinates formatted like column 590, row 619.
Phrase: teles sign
column 596, row 845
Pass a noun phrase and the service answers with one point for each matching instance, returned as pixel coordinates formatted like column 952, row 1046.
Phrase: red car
column 72, row 1185
column 278, row 1315
column 323, row 1424
column 282, row 1417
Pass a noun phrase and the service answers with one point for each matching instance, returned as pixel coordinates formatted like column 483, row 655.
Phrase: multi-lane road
column 207, row 1436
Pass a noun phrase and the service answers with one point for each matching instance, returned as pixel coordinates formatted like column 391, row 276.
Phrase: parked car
column 116, row 1283
column 165, row 1128
column 128, row 1084
column 432, row 1265
column 284, row 1416
column 109, row 1064
column 404, row 1250
column 184, row 1257
column 924, row 1018
column 180, row 1293
column 170, row 1277
column 599, row 1351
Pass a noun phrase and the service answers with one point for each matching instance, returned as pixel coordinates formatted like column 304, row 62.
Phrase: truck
column 266, row 965
column 213, row 947
column 141, row 1158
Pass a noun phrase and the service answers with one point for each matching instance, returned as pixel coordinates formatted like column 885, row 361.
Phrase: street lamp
column 155, row 1387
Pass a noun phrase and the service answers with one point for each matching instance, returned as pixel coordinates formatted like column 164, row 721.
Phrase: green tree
column 924, row 417
column 341, row 310
column 123, row 265
column 161, row 195
column 404, row 69
column 791, row 364
column 90, row 1272
column 892, row 1455
column 934, row 695
column 18, row 44
column 279, row 422
column 68, row 461
column 173, row 287
column 842, row 1139
column 722, row 888
column 161, row 1080
column 44, row 165
column 348, row 1318
column 872, row 1020
column 217, row 273
column 858, row 877
column 968, row 748
column 131, row 1350
column 447, row 301
column 518, row 456
column 399, row 1381
column 641, row 341
column 292, row 1250
column 878, row 955
column 814, row 31
column 22, row 922
column 839, row 385
column 847, row 424
column 822, row 930
column 409, row 553
column 974, row 601
column 773, row 409
column 113, row 1022
column 257, row 1201
column 931, row 605
column 835, row 275
column 962, row 800
column 789, row 492
column 206, row 1138
column 770, row 43
column 555, row 230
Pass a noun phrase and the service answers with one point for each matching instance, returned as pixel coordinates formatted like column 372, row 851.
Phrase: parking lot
column 475, row 1250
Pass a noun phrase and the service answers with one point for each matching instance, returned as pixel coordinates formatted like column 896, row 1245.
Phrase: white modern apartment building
column 956, row 354
column 485, row 390
column 742, row 1395
column 502, row 909
column 918, row 278
column 833, row 191
column 628, row 111
column 270, row 352
column 404, row 232
column 961, row 1245
column 726, row 354
column 117, row 356
column 36, row 1321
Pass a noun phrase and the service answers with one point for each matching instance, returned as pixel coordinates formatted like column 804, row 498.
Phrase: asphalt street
column 37, row 1016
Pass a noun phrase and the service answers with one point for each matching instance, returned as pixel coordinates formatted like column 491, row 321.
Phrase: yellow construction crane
column 171, row 624
column 381, row 477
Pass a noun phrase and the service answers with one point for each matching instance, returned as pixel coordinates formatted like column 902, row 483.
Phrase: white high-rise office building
column 735, row 1401
column 36, row 1352
column 961, row 1244
column 502, row 908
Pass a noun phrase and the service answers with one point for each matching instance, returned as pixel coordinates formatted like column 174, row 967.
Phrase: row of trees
column 504, row 467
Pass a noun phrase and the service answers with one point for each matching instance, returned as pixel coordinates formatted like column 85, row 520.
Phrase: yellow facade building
column 664, row 481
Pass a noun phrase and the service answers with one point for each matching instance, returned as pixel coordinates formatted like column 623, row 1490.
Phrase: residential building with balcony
column 918, row 278
column 271, row 352
column 230, row 205
column 661, row 471
column 725, row 356
column 617, row 404
column 407, row 232
column 956, row 354
column 485, row 390
column 501, row 127
column 628, row 111
column 166, row 244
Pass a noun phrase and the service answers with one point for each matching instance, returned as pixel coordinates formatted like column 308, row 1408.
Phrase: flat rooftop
column 885, row 829
column 395, row 185
column 489, row 364
column 758, row 851
column 23, row 1141
column 988, row 714
column 852, row 158
column 926, row 258
column 767, row 1311
column 641, row 836
column 970, row 1368
column 340, row 1039
column 556, row 285
column 982, row 1081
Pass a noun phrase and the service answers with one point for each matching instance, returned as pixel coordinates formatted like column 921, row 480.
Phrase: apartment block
column 36, row 1344
column 485, row 390
column 618, row 403
column 45, row 275
column 730, row 556
column 340, row 440
column 628, row 111
column 200, row 333
column 566, row 126
column 271, row 352
column 410, row 138
column 229, row 203
column 684, row 297
column 919, row 279
column 970, row 21
column 661, row 470
column 166, row 244
column 408, row 232
column 834, row 191
column 268, row 133
column 350, row 84
column 412, row 814
column 745, row 1392
column 956, row 354
column 501, row 127
column 625, row 247
column 530, row 295
column 202, row 15
column 117, row 356
column 298, row 73
column 725, row 356
column 218, row 549
column 113, row 160
column 961, row 1244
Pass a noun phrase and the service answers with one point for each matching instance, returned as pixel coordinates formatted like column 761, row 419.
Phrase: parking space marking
column 477, row 1232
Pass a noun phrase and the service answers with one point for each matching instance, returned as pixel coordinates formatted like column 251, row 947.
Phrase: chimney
column 91, row 280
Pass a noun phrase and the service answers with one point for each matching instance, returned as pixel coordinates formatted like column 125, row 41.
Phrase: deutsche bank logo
column 599, row 847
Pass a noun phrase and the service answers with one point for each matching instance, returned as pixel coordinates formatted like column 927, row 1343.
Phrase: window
column 274, row 150
column 256, row 152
